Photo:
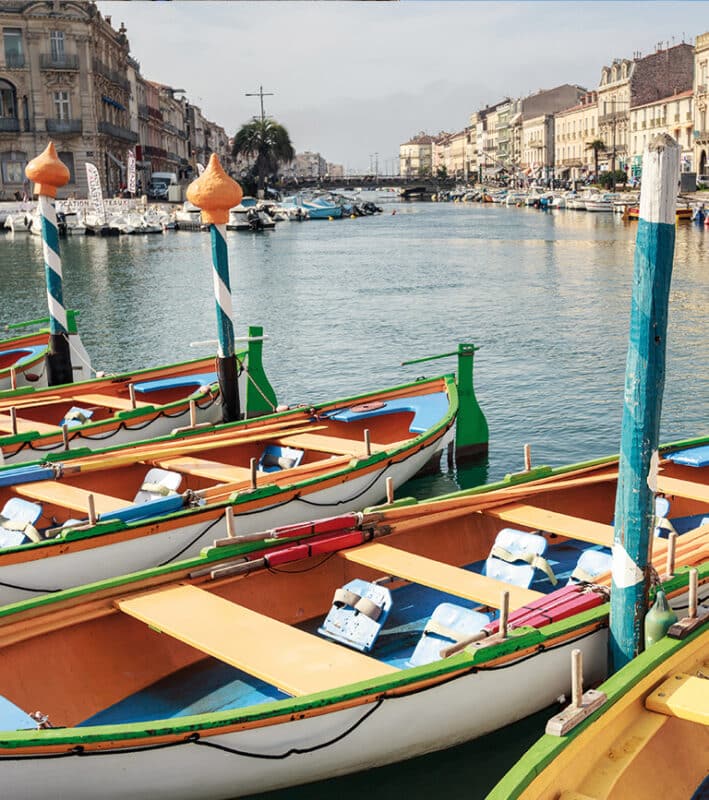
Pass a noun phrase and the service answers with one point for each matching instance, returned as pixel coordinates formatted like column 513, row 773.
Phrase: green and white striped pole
column 215, row 193
column 644, row 385
column 48, row 174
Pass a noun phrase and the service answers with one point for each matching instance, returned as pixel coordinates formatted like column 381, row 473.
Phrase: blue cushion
column 178, row 382
column 692, row 456
column 13, row 718
column 428, row 409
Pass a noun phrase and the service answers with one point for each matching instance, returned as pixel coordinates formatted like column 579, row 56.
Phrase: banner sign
column 131, row 172
column 95, row 193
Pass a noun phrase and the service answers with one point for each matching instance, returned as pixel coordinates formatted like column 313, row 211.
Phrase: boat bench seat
column 194, row 381
column 680, row 488
column 428, row 409
column 691, row 456
column 293, row 660
column 541, row 519
column 203, row 468
column 26, row 425
column 72, row 497
column 682, row 696
column 438, row 575
column 330, row 444
column 108, row 401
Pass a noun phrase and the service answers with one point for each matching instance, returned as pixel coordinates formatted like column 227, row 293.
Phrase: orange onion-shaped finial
column 215, row 193
column 48, row 172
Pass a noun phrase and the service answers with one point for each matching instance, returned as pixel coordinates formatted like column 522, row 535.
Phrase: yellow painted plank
column 72, row 497
column 108, row 401
column 203, row 468
column 297, row 662
column 437, row 575
column 26, row 425
column 323, row 443
column 682, row 696
column 553, row 522
column 689, row 489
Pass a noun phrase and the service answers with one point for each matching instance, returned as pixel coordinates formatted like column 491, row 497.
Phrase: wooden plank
column 72, row 497
column 682, row 696
column 335, row 444
column 26, row 425
column 108, row 401
column 437, row 575
column 296, row 662
column 553, row 522
column 679, row 488
column 203, row 468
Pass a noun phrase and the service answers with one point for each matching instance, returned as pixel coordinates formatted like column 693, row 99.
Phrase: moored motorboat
column 315, row 651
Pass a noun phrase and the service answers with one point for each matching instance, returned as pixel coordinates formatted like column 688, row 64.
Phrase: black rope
column 196, row 539
column 195, row 737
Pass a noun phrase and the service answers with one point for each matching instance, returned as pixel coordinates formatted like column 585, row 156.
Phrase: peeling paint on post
column 644, row 385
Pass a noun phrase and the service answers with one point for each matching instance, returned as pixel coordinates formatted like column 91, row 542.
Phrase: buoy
column 658, row 619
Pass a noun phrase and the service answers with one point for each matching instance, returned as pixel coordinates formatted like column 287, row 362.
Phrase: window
column 13, row 166
column 56, row 41
column 8, row 102
column 12, row 38
column 61, row 105
column 67, row 158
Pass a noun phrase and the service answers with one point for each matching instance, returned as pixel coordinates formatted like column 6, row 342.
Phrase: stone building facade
column 67, row 75
column 416, row 156
column 574, row 130
column 672, row 115
column 701, row 107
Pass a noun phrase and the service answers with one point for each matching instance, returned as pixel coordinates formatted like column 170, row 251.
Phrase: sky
column 354, row 80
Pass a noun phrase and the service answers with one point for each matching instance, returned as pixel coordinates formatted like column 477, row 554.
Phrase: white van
column 165, row 186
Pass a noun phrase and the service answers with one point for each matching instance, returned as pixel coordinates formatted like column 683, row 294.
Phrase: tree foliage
column 606, row 178
column 268, row 143
column 597, row 145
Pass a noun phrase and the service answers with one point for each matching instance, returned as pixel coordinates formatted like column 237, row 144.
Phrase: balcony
column 701, row 137
column 117, row 132
column 66, row 61
column 9, row 125
column 14, row 60
column 64, row 127
column 143, row 112
column 111, row 74
column 154, row 152
column 701, row 88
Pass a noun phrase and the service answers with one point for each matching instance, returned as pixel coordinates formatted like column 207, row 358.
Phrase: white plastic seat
column 590, row 565
column 515, row 556
column 17, row 521
column 158, row 483
column 449, row 624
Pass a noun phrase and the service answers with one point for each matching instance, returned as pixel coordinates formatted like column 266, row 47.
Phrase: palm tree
column 596, row 145
column 268, row 143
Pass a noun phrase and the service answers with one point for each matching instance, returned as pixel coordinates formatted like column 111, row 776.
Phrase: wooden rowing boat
column 22, row 357
column 79, row 517
column 328, row 647
column 119, row 409
column 650, row 738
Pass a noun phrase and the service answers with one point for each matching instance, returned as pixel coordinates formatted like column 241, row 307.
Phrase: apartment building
column 537, row 156
column 672, row 115
column 66, row 74
column 701, row 110
column 575, row 129
column 416, row 156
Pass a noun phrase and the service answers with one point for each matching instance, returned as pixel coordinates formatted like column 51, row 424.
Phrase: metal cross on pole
column 261, row 94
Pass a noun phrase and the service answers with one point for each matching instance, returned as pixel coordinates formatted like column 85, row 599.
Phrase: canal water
column 545, row 295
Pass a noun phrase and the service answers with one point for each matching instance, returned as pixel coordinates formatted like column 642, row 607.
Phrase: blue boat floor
column 211, row 685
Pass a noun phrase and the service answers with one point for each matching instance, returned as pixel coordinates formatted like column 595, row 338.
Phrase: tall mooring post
column 644, row 385
column 215, row 193
column 48, row 174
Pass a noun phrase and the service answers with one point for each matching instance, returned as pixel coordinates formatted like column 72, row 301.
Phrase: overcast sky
column 351, row 79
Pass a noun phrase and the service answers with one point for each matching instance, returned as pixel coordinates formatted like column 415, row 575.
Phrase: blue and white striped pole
column 215, row 193
column 644, row 385
column 49, row 173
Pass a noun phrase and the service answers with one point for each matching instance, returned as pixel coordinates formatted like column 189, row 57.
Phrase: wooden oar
column 30, row 401
column 165, row 451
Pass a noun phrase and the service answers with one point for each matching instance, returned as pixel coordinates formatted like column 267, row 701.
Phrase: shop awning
column 111, row 102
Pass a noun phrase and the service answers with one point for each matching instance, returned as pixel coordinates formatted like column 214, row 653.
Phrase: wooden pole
column 131, row 395
column 13, row 378
column 390, row 490
column 504, row 614
column 254, row 473
column 671, row 550
column 693, row 587
column 367, row 442
column 193, row 413
column 215, row 193
column 527, row 458
column 49, row 173
column 576, row 678
column 644, row 385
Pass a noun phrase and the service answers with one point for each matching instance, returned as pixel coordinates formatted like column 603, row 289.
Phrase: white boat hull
column 335, row 743
column 21, row 581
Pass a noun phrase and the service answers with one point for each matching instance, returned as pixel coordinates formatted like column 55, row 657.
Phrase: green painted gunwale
column 547, row 748
column 110, row 526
